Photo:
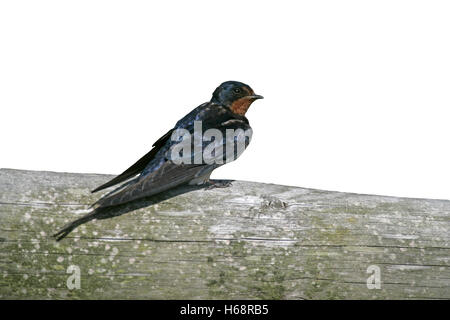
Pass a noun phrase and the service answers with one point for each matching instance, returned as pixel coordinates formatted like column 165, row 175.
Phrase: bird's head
column 235, row 95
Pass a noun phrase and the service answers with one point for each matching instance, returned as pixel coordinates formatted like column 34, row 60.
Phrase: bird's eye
column 237, row 90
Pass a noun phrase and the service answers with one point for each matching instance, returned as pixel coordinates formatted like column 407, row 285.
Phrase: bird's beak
column 255, row 97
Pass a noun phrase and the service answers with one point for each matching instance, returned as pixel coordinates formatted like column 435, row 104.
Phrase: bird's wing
column 139, row 165
column 168, row 176
column 142, row 163
column 171, row 173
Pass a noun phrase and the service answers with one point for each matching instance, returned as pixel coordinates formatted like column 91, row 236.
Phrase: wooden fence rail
column 248, row 241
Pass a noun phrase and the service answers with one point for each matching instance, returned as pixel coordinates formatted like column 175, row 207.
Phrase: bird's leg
column 212, row 184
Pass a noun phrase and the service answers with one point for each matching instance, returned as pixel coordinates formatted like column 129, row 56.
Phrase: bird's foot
column 217, row 184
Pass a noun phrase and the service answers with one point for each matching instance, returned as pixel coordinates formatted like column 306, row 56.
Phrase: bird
column 164, row 168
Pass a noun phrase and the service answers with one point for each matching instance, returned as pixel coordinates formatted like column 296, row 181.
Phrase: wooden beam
column 248, row 241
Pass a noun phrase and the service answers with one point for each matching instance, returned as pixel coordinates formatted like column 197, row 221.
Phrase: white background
column 356, row 92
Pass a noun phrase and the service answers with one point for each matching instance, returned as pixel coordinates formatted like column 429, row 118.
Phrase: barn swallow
column 157, row 171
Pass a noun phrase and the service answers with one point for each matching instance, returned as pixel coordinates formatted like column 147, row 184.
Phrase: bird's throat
column 241, row 106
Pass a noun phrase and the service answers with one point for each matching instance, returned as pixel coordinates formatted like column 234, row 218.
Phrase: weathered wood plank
column 249, row 241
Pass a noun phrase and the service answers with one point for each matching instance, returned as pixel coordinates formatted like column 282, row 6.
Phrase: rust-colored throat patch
column 241, row 105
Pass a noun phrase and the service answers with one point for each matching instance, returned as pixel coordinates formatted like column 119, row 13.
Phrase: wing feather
column 168, row 176
column 138, row 166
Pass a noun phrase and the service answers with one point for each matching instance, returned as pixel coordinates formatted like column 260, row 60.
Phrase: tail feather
column 68, row 228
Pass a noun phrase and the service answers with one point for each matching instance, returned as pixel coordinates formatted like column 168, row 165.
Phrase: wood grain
column 248, row 241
